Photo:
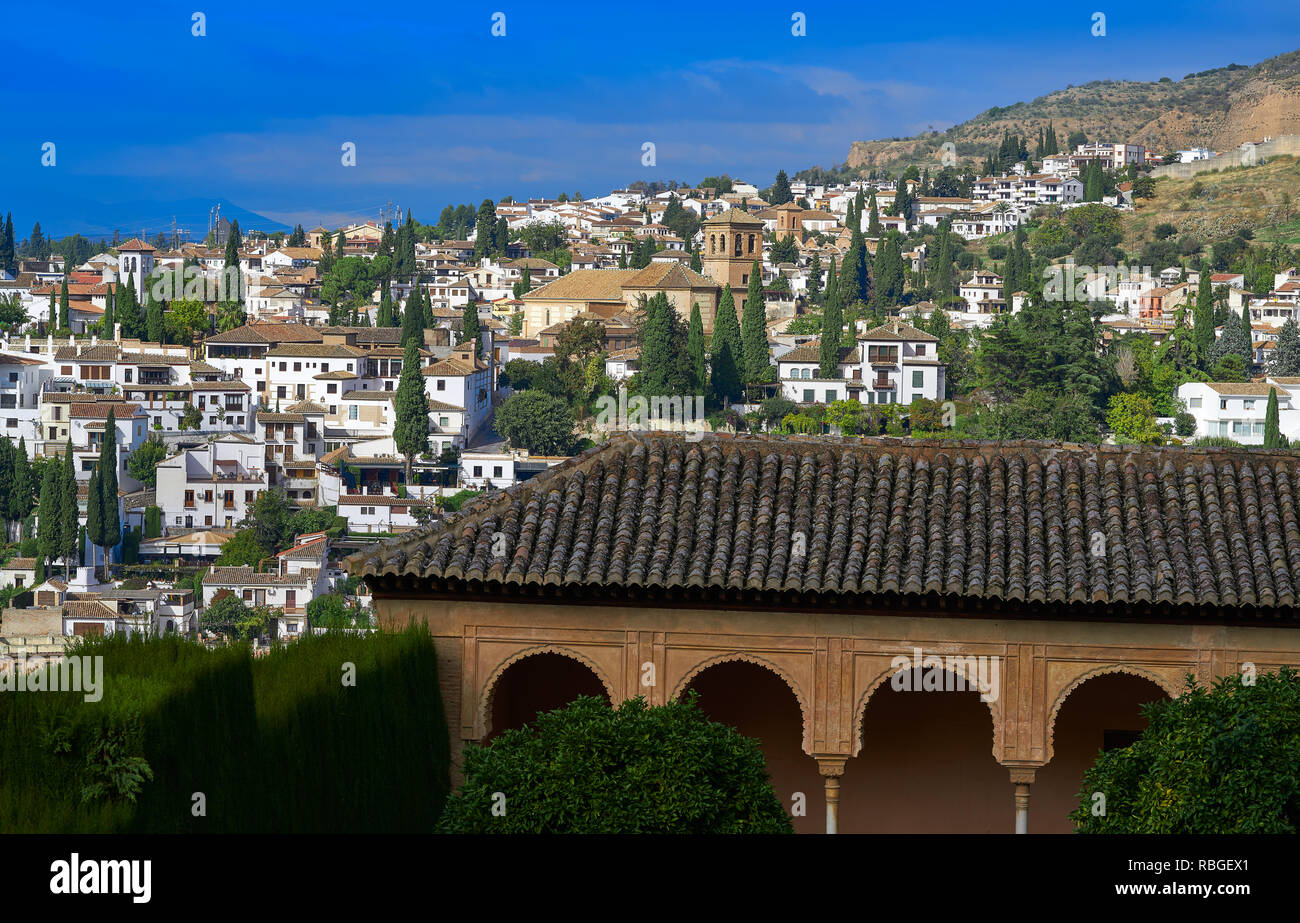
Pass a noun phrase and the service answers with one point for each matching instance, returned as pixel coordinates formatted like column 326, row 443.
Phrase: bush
column 1218, row 760
column 590, row 768
column 1184, row 424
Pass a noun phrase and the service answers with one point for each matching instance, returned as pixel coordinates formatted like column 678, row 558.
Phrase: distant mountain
column 1216, row 109
column 101, row 219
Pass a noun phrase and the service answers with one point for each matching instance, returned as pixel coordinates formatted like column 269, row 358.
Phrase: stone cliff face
column 1216, row 109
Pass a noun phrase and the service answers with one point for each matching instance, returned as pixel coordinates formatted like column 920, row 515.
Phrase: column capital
column 1022, row 775
column 830, row 766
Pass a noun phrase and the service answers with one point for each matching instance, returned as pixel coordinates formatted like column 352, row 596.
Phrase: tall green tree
column 94, row 512
column 234, row 277
column 1203, row 318
column 1286, row 354
column 753, row 329
column 48, row 520
column 64, row 311
column 781, row 189
column 108, row 323
column 814, row 290
column 411, row 409
column 155, row 324
column 413, row 319
column 873, row 220
column 109, row 534
column 54, row 316
column 21, row 489
column 832, row 331
column 726, row 354
column 469, row 324
column 1273, row 438
column 695, row 349
column 69, row 512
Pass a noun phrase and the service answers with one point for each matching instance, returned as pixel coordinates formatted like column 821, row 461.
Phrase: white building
column 894, row 363
column 1236, row 410
column 214, row 485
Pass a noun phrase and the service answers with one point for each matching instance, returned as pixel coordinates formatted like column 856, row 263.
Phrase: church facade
column 924, row 635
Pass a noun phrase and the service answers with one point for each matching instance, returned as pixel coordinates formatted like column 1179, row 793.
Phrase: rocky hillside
column 1217, row 109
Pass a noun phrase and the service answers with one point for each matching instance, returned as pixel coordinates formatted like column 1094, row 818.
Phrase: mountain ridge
column 1216, row 109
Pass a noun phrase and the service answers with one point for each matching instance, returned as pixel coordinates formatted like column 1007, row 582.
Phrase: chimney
column 117, row 333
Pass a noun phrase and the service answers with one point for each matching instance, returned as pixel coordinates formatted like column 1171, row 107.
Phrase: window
column 1223, row 404
column 290, row 599
column 809, row 396
column 324, row 366
column 352, row 411
column 918, row 378
column 1194, row 403
column 442, row 385
column 1248, row 405
column 189, row 498
column 443, row 421
column 280, row 392
column 478, row 471
column 830, row 396
column 920, row 349
column 331, row 389
column 297, row 366
column 496, row 471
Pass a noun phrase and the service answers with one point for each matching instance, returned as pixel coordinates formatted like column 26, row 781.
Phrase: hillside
column 1216, row 109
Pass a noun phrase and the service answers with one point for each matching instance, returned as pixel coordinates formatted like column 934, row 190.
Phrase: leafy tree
column 243, row 550
column 1133, row 420
column 184, row 319
column 413, row 320
column 155, row 326
column 1212, row 761
column 1234, row 339
column 643, row 769
column 228, row 615
column 411, row 409
column 191, row 418
column 538, row 422
column 64, row 319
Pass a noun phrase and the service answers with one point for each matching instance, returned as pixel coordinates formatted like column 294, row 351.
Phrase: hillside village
column 223, row 421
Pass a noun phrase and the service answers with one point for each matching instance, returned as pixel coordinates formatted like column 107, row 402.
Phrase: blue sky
column 149, row 119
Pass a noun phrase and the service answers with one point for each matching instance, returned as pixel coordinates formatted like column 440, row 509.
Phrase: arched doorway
column 1103, row 712
column 926, row 766
column 538, row 683
column 757, row 702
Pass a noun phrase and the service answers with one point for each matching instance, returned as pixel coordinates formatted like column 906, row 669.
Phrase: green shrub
column 590, row 768
column 1218, row 760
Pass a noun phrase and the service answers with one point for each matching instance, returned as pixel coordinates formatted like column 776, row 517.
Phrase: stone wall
column 1285, row 145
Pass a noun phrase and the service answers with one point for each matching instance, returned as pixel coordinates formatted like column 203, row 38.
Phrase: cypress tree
column 411, row 409
column 695, row 349
column 20, row 495
column 413, row 322
column 657, row 356
column 384, row 317
column 726, row 353
column 469, row 323
column 1203, row 319
column 814, row 289
column 68, row 511
column 54, row 317
column 231, row 268
column 64, row 322
column 696, row 264
column 155, row 329
column 1272, row 437
column 95, row 513
column 873, row 226
column 108, row 322
column 110, row 530
column 753, row 329
column 48, row 516
column 832, row 330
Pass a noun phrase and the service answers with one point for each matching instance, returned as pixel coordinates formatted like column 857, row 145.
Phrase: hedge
column 275, row 743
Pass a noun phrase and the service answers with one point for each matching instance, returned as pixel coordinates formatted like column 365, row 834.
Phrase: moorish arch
column 926, row 761
column 1100, row 710
column 743, row 657
column 860, row 708
column 487, row 699
column 1162, row 682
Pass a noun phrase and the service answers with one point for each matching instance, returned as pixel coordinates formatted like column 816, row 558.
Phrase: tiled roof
column 315, row 351
column 897, row 330
column 246, row 576
column 585, row 285
column 657, row 517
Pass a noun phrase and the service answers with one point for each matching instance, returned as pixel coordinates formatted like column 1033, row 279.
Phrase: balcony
column 883, row 384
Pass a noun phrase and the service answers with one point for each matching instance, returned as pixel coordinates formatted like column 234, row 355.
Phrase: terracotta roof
column 315, row 351
column 812, row 352
column 281, row 418
column 648, row 517
column 897, row 330
column 134, row 245
column 246, row 576
column 101, row 410
column 585, row 285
